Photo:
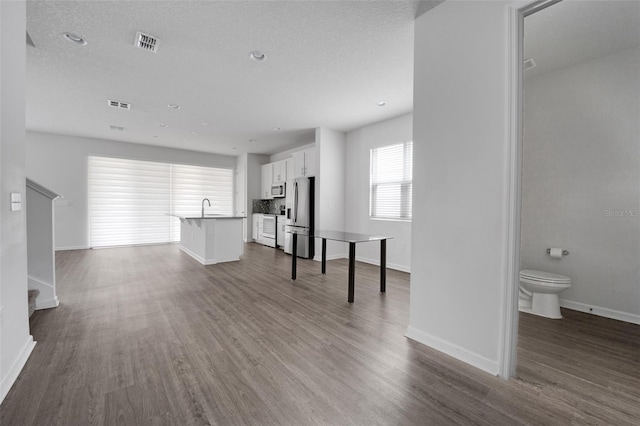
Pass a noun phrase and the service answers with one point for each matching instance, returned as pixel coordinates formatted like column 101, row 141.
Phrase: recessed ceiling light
column 277, row 129
column 381, row 103
column 252, row 140
column 193, row 133
column 162, row 125
column 234, row 148
column 75, row 38
column 257, row 55
column 174, row 106
column 155, row 136
column 204, row 123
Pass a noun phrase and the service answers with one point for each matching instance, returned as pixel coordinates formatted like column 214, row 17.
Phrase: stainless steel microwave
column 277, row 190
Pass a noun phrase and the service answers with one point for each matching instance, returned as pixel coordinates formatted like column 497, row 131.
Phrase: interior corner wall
column 330, row 189
column 581, row 181
column 15, row 341
column 254, row 186
column 60, row 162
column 359, row 145
column 461, row 152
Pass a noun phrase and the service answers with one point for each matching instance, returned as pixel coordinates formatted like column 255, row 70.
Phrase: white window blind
column 391, row 181
column 129, row 199
column 191, row 184
column 128, row 202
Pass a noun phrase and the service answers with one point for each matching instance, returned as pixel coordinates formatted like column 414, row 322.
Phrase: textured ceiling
column 574, row 31
column 328, row 64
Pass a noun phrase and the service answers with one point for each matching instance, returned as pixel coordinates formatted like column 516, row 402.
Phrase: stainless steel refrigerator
column 300, row 207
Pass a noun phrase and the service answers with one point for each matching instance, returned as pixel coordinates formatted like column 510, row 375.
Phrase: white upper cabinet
column 304, row 163
column 290, row 168
column 280, row 171
column 267, row 173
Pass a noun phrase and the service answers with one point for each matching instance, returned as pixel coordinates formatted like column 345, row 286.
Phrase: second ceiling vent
column 146, row 42
column 118, row 104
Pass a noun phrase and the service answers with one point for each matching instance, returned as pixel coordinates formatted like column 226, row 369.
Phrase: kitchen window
column 129, row 199
column 391, row 182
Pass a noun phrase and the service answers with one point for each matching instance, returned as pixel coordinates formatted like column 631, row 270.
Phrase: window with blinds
column 191, row 184
column 129, row 199
column 391, row 182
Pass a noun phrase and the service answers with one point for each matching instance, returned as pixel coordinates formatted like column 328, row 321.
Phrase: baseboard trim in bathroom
column 602, row 312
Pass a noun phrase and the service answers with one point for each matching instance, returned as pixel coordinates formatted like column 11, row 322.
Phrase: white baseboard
column 602, row 312
column 12, row 375
column 72, row 248
column 455, row 351
column 318, row 258
column 47, row 304
column 203, row 260
column 395, row 266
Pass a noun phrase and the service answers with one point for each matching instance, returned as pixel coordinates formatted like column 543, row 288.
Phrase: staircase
column 32, row 295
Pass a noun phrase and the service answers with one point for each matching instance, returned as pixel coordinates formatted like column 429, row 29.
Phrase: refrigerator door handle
column 295, row 202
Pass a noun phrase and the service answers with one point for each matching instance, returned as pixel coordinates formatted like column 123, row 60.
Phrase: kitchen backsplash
column 274, row 206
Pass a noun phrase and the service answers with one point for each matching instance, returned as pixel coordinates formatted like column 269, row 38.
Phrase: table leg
column 383, row 266
column 352, row 270
column 324, row 255
column 294, row 255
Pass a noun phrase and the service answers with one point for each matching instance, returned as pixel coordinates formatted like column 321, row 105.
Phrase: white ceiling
column 575, row 31
column 328, row 64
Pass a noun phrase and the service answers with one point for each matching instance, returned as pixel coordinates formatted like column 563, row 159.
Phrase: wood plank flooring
column 147, row 336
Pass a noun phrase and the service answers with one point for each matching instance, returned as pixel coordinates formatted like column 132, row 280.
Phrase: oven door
column 269, row 227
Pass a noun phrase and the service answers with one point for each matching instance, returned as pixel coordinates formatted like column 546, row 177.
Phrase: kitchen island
column 211, row 239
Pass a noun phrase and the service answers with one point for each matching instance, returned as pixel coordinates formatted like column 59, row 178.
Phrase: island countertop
column 206, row 216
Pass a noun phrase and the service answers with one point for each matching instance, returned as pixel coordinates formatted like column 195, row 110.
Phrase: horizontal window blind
column 128, row 202
column 391, row 181
column 129, row 199
column 191, row 184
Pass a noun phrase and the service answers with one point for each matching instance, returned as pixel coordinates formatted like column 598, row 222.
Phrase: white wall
column 359, row 144
column 581, row 170
column 460, row 177
column 59, row 162
column 330, row 189
column 41, row 268
column 252, row 164
column 15, row 341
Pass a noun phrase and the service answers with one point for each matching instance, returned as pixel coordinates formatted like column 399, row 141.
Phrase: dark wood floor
column 147, row 336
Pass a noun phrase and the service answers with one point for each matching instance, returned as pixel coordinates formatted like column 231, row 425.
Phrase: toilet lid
column 542, row 276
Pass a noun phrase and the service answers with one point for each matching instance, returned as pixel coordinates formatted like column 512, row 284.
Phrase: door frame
column 515, row 78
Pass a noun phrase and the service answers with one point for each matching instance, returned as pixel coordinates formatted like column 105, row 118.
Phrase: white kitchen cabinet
column 304, row 163
column 290, row 168
column 267, row 180
column 256, row 227
column 280, row 172
column 280, row 231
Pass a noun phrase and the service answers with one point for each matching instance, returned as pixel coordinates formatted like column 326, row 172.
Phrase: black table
column 352, row 239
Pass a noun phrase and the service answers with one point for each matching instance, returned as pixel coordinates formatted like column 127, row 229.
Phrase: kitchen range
column 273, row 217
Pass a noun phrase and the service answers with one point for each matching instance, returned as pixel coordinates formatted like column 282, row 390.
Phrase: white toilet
column 539, row 292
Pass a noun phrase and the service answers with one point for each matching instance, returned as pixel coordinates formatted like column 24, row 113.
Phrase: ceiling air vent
column 529, row 63
column 118, row 104
column 146, row 42
column 116, row 128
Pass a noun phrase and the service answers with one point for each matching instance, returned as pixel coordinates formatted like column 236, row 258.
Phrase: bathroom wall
column 581, row 181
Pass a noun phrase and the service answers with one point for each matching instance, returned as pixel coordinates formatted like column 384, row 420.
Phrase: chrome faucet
column 207, row 200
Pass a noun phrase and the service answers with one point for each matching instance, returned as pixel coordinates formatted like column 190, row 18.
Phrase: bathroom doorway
column 580, row 208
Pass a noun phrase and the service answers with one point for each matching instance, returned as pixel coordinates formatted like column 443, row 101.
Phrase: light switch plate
column 16, row 197
column 16, row 207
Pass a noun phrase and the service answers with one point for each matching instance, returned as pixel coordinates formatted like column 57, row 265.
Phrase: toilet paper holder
column 564, row 252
